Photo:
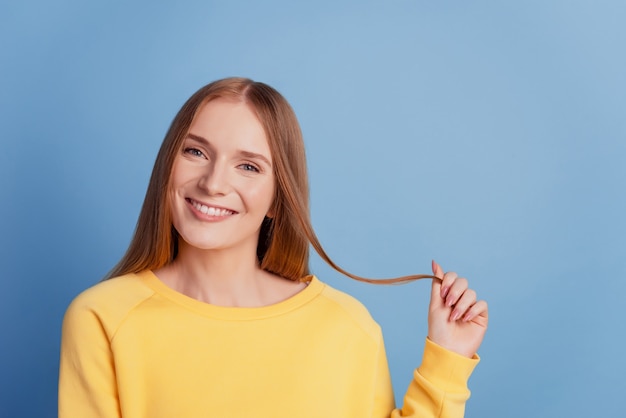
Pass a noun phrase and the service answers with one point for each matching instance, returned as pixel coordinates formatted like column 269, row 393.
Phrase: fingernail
column 467, row 317
column 444, row 291
column 449, row 302
column 455, row 315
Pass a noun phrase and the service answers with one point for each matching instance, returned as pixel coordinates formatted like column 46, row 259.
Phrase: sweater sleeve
column 439, row 385
column 87, row 385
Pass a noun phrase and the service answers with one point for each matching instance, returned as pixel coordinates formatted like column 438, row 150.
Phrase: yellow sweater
column 132, row 347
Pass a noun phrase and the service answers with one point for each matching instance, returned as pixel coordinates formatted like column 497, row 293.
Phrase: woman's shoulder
column 117, row 288
column 349, row 307
column 110, row 299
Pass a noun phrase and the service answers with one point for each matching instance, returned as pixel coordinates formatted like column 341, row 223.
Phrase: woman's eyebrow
column 254, row 155
column 247, row 154
column 198, row 138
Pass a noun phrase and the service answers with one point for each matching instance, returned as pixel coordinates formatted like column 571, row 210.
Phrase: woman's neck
column 225, row 278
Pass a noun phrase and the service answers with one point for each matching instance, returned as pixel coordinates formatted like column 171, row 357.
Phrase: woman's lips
column 210, row 210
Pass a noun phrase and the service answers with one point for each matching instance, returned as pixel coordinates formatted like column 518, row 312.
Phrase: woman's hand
column 456, row 320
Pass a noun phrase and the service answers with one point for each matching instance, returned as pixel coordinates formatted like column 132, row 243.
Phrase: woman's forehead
column 228, row 123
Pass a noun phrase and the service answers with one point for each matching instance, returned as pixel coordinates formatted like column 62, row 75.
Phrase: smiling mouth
column 210, row 210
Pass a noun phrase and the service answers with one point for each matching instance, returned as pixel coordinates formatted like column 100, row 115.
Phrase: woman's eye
column 193, row 151
column 249, row 167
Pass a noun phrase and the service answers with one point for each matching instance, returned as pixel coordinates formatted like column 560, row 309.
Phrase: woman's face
column 222, row 183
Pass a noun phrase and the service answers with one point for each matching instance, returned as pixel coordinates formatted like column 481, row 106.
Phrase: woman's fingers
column 456, row 319
column 447, row 279
column 463, row 304
column 452, row 288
column 437, row 270
column 436, row 301
column 479, row 310
column 456, row 294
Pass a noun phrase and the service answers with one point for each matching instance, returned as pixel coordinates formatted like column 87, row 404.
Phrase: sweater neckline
column 312, row 290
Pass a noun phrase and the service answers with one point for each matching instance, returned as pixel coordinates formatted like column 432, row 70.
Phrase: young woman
column 212, row 311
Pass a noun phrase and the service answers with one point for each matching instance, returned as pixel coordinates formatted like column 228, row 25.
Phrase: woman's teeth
column 210, row 210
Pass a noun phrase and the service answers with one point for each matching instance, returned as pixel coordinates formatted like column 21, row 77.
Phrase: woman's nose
column 215, row 180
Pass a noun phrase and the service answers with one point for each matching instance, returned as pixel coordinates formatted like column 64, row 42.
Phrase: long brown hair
column 283, row 246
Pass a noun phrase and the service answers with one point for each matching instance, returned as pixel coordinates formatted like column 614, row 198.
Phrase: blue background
column 488, row 135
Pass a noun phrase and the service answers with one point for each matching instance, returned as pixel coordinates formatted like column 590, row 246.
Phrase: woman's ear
column 272, row 210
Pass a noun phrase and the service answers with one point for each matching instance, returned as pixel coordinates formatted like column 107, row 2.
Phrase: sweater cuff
column 446, row 369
